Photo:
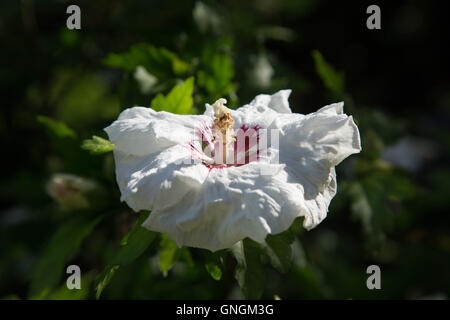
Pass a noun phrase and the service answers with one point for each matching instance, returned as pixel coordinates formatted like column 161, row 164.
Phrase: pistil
column 223, row 128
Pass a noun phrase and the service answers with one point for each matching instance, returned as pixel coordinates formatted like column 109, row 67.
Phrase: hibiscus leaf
column 217, row 75
column 48, row 269
column 178, row 100
column 56, row 129
column 97, row 145
column 333, row 80
column 64, row 138
column 136, row 242
column 66, row 143
column 214, row 264
column 214, row 270
column 167, row 254
column 132, row 246
column 64, row 293
column 279, row 249
column 187, row 257
column 105, row 278
column 159, row 61
column 249, row 271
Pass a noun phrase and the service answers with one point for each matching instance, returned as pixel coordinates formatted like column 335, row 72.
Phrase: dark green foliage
column 160, row 61
column 249, row 271
column 133, row 244
column 333, row 81
column 48, row 269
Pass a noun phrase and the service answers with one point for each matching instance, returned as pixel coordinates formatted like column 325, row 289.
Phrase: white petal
column 311, row 148
column 326, row 135
column 233, row 203
column 159, row 180
column 142, row 131
column 215, row 208
column 278, row 101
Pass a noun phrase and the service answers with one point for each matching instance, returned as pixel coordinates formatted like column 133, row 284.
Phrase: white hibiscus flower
column 220, row 198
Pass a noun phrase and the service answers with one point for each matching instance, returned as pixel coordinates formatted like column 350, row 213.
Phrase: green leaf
column 377, row 202
column 97, row 145
column 67, row 144
column 160, row 62
column 214, row 270
column 217, row 75
column 333, row 80
column 187, row 257
column 178, row 100
column 279, row 250
column 76, row 95
column 136, row 242
column 56, row 129
column 133, row 245
column 167, row 254
column 64, row 293
column 48, row 269
column 249, row 271
column 214, row 263
column 105, row 278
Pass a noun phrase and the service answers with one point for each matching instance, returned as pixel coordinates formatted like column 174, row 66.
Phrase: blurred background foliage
column 59, row 199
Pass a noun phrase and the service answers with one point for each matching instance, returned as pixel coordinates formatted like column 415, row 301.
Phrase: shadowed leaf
column 333, row 80
column 48, row 269
column 249, row 271
column 132, row 246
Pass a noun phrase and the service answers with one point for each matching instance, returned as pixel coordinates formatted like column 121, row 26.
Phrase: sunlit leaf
column 167, row 254
column 178, row 100
column 214, row 270
column 97, row 145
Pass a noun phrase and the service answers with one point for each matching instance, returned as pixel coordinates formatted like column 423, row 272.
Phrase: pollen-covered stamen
column 223, row 129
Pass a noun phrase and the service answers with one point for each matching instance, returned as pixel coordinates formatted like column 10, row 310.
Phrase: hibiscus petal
column 213, row 208
column 159, row 180
column 278, row 101
column 142, row 131
column 311, row 148
column 232, row 204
